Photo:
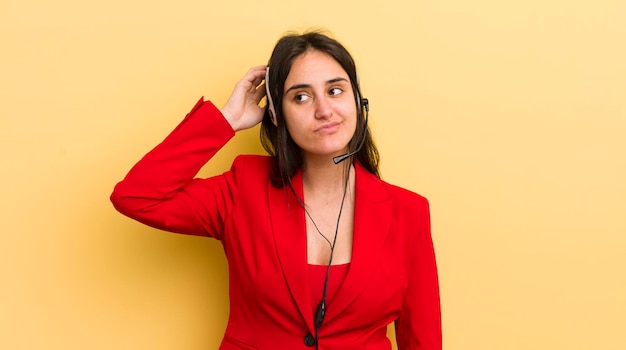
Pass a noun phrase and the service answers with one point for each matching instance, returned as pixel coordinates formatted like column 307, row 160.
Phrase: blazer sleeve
column 161, row 191
column 419, row 325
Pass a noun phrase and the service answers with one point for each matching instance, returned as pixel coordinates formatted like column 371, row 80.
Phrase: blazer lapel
column 289, row 227
column 372, row 216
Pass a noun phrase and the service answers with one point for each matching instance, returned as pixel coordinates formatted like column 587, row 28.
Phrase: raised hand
column 242, row 109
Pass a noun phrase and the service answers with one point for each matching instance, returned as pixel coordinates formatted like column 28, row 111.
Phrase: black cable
column 320, row 311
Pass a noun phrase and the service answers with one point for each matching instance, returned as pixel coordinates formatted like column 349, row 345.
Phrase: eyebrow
column 304, row 86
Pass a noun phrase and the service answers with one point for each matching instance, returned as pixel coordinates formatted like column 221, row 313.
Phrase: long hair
column 276, row 140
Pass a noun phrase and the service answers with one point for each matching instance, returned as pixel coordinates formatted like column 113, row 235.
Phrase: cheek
column 350, row 116
column 289, row 119
column 348, row 109
column 296, row 130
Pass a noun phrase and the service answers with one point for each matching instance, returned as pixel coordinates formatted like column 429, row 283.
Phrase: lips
column 328, row 127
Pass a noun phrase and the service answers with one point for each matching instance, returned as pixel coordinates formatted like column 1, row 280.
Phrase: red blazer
column 392, row 276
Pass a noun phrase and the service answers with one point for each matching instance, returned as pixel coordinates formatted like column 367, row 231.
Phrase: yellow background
column 510, row 116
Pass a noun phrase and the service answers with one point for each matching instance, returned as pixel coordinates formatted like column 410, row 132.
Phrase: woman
column 321, row 255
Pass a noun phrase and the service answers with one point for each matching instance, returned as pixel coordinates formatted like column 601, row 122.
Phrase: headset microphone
column 341, row 158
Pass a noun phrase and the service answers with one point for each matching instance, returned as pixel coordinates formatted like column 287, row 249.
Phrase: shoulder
column 252, row 167
column 406, row 195
column 252, row 160
column 406, row 203
column 382, row 190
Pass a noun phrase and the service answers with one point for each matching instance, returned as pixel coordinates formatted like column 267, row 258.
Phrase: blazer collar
column 372, row 217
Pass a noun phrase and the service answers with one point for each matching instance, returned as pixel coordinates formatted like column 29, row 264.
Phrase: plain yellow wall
column 509, row 116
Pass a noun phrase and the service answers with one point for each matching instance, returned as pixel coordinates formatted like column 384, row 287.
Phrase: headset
column 320, row 311
column 270, row 102
column 360, row 104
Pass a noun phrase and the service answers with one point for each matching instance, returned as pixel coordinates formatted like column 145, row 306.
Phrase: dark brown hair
column 276, row 140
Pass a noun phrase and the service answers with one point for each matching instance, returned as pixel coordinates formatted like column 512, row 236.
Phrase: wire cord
column 320, row 311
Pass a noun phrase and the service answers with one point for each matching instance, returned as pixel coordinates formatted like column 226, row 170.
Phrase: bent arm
column 160, row 190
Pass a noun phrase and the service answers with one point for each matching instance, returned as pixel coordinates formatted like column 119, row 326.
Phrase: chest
column 330, row 233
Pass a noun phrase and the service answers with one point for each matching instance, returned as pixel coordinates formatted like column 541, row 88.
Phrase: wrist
column 229, row 118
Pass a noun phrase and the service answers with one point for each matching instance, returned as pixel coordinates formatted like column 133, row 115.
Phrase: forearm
column 152, row 185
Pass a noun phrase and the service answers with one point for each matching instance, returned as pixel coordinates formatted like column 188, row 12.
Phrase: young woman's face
column 318, row 105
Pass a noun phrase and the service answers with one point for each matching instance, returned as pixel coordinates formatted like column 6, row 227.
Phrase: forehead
column 314, row 66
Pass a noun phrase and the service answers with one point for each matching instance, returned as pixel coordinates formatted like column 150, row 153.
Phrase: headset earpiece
column 270, row 102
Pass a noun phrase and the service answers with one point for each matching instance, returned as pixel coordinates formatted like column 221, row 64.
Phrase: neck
column 322, row 176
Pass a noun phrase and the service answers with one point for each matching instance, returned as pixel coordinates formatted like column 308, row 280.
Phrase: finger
column 255, row 72
column 254, row 77
column 257, row 81
column 262, row 67
column 259, row 93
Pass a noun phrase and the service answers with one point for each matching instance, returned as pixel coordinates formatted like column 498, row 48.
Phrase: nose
column 323, row 108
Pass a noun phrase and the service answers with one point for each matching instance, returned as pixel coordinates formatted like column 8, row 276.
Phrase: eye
column 335, row 91
column 301, row 97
